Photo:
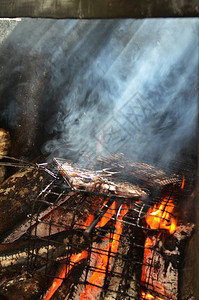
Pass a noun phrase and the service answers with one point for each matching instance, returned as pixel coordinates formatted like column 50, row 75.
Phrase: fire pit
column 102, row 205
column 101, row 236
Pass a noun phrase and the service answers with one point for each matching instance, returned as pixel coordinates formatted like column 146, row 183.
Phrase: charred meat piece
column 101, row 182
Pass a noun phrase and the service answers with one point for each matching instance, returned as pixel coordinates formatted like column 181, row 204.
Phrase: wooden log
column 123, row 281
column 5, row 142
column 162, row 258
column 18, row 194
column 42, row 224
column 2, row 173
column 34, row 253
column 70, row 212
column 22, row 287
column 122, row 277
column 186, row 274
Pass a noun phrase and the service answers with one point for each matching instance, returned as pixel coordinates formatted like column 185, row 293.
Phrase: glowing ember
column 56, row 283
column 110, row 212
column 183, row 181
column 99, row 275
column 88, row 221
column 159, row 216
column 149, row 296
column 147, row 252
column 62, row 274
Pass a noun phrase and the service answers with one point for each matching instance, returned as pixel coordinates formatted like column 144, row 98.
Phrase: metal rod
column 99, row 215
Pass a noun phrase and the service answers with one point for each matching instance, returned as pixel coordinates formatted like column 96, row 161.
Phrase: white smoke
column 117, row 85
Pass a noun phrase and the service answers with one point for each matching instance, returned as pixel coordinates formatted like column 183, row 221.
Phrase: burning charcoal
column 100, row 182
column 18, row 194
column 91, row 241
column 160, row 270
column 122, row 281
column 5, row 142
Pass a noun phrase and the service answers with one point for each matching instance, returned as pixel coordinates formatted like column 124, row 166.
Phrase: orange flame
column 183, row 182
column 99, row 275
column 106, row 217
column 109, row 213
column 58, row 281
column 147, row 251
column 149, row 296
column 88, row 221
column 159, row 216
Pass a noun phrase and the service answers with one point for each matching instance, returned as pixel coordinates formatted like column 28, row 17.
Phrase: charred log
column 22, row 287
column 162, row 259
column 2, row 173
column 18, row 194
column 5, row 142
column 35, row 253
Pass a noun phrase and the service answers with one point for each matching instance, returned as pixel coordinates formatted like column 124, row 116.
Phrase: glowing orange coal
column 147, row 251
column 105, row 260
column 111, row 211
column 63, row 272
column 183, row 182
column 148, row 296
column 160, row 216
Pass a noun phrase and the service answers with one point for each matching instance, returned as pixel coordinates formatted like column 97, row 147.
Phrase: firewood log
column 22, row 287
column 71, row 211
column 5, row 142
column 162, row 261
column 35, row 253
column 2, row 173
column 18, row 194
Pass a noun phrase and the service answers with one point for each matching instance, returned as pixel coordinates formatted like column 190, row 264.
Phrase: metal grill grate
column 99, row 238
column 71, row 223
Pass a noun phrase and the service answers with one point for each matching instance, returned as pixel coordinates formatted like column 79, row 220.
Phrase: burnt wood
column 23, row 287
column 5, row 142
column 34, row 253
column 99, row 8
column 18, row 194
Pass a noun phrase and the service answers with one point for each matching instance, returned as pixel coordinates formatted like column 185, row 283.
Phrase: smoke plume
column 113, row 86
